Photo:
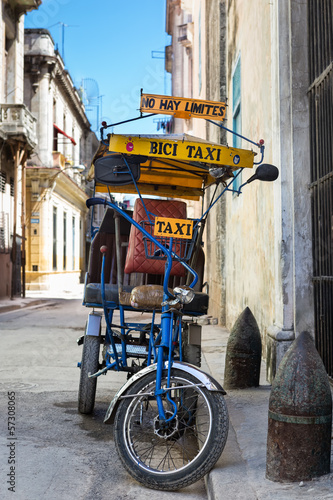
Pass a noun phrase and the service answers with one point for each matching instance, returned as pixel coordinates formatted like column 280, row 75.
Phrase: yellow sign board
column 189, row 151
column 181, row 107
column 173, row 228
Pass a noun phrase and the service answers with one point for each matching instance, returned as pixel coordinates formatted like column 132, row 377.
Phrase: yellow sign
column 173, row 228
column 189, row 151
column 181, row 107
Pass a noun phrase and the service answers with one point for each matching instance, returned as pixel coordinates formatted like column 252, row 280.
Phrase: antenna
column 62, row 27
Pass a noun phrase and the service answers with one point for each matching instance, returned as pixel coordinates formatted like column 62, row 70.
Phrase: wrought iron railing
column 321, row 129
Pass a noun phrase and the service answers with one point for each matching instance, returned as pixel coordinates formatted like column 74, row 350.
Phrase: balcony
column 18, row 123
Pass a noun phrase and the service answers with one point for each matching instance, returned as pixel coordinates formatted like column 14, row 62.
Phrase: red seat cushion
column 136, row 260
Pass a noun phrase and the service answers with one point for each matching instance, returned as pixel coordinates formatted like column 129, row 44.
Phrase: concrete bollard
column 243, row 357
column 300, row 416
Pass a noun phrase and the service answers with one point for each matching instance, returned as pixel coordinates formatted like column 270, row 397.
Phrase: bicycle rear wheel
column 174, row 455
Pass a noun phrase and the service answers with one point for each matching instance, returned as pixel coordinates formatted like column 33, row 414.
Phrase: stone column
column 41, row 106
column 294, row 256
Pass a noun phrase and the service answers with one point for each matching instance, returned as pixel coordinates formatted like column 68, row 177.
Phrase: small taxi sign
column 173, row 228
column 181, row 150
column 181, row 107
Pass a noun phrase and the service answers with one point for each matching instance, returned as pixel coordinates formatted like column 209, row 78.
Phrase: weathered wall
column 250, row 224
column 216, row 90
column 258, row 245
column 11, row 57
column 268, row 245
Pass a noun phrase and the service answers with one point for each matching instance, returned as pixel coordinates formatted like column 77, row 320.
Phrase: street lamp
column 76, row 168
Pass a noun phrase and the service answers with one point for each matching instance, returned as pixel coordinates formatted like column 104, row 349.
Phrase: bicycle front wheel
column 170, row 456
column 89, row 364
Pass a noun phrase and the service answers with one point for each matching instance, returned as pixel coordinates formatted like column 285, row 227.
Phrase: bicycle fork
column 166, row 345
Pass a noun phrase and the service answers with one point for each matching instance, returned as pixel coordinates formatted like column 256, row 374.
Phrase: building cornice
column 34, row 61
column 58, row 182
column 23, row 6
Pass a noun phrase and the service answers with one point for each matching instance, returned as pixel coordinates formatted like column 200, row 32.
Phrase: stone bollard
column 243, row 357
column 300, row 416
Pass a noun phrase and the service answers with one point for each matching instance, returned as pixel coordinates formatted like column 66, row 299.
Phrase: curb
column 18, row 306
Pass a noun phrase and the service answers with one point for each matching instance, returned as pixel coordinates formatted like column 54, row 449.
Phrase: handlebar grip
column 95, row 201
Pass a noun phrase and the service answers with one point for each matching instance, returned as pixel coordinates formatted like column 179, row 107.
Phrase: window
column 11, row 186
column 4, row 231
column 2, row 239
column 73, row 243
column 54, row 251
column 55, row 130
column 237, row 113
column 2, row 182
column 65, row 241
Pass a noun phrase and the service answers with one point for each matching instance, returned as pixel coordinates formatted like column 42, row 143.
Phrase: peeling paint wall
column 250, row 242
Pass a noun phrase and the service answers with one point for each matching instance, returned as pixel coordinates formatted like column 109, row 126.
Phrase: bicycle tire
column 188, row 449
column 89, row 364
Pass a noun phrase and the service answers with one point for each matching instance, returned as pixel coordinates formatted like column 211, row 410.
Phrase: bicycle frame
column 164, row 354
column 167, row 315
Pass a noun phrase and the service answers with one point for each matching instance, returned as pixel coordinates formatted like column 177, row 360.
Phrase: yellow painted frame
column 175, row 166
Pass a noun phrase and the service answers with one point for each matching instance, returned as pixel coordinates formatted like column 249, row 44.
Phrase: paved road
column 58, row 453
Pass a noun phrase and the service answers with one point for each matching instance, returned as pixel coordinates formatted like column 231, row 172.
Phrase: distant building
column 55, row 185
column 17, row 139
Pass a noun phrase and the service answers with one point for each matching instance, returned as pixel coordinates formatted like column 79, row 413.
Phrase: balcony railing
column 17, row 122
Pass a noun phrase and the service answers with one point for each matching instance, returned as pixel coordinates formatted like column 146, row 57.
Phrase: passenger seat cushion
column 136, row 260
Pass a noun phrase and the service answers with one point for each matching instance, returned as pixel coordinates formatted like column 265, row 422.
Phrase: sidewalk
column 240, row 472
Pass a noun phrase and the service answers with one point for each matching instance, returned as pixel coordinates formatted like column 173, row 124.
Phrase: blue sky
column 111, row 42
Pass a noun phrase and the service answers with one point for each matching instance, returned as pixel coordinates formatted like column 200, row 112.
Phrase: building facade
column 55, row 182
column 17, row 139
column 271, row 247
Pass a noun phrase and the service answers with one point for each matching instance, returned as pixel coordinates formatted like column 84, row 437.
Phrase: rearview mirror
column 265, row 172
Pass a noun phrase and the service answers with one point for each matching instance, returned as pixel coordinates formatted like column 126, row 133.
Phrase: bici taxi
column 170, row 417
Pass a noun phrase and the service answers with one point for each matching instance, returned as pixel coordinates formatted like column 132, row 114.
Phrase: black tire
column 89, row 364
column 181, row 454
column 191, row 352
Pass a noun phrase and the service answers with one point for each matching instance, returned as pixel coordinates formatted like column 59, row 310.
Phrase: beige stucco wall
column 250, row 245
